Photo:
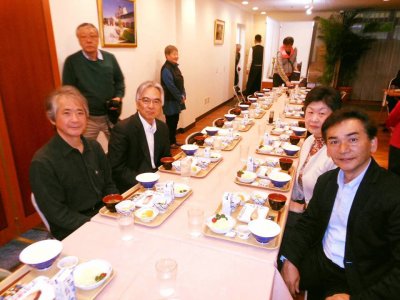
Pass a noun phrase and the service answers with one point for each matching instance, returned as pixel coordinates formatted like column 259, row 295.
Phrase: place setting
column 252, row 219
column 53, row 274
column 272, row 174
column 193, row 162
column 149, row 204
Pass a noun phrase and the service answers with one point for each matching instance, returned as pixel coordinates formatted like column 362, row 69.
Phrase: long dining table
column 208, row 268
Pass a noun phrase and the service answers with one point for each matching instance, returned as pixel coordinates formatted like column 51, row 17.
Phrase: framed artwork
column 117, row 23
column 219, row 31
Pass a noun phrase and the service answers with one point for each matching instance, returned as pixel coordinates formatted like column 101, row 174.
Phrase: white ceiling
column 319, row 5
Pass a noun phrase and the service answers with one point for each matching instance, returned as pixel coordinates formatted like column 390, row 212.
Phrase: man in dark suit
column 347, row 243
column 139, row 142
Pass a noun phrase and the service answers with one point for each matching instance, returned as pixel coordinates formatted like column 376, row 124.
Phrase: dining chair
column 238, row 94
column 190, row 138
column 41, row 215
column 384, row 100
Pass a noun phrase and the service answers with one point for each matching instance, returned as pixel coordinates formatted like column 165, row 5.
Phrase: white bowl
column 67, row 262
column 146, row 214
column 212, row 130
column 215, row 156
column 278, row 131
column 181, row 190
column 125, row 207
column 230, row 117
column 265, row 149
column 247, row 177
column 264, row 230
column 290, row 149
column 148, row 180
column 299, row 131
column 42, row 254
column 189, row 149
column 85, row 274
column 221, row 228
column 279, row 179
column 259, row 197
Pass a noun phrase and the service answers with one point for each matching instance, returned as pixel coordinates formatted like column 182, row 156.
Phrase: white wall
column 208, row 69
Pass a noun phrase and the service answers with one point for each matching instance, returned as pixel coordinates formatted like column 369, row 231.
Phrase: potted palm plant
column 344, row 48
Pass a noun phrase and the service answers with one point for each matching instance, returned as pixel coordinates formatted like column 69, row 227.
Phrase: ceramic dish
column 92, row 274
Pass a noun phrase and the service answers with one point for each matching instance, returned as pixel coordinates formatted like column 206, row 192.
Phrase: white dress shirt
column 149, row 130
column 334, row 241
column 99, row 55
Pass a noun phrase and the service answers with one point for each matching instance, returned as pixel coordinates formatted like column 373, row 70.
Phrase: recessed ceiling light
column 386, row 0
column 263, row 13
column 255, row 8
column 245, row 2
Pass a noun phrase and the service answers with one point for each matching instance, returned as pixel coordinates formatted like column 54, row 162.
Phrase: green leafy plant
column 344, row 48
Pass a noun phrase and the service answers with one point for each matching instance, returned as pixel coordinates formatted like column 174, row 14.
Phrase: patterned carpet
column 9, row 253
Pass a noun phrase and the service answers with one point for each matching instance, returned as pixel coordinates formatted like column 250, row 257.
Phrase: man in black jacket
column 347, row 243
column 139, row 142
column 254, row 66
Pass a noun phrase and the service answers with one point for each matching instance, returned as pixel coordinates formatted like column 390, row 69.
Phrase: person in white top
column 347, row 243
column 319, row 104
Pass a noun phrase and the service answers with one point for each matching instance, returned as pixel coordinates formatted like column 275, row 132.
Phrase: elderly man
column 97, row 75
column 70, row 174
column 347, row 243
column 139, row 142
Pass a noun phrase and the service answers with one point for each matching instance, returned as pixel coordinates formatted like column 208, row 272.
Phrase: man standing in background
column 97, row 75
column 254, row 66
column 174, row 89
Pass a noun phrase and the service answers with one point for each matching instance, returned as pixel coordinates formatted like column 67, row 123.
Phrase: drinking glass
column 126, row 225
column 166, row 269
column 244, row 153
column 186, row 166
column 195, row 221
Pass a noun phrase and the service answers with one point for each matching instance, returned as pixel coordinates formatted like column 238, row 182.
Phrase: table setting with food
column 204, row 210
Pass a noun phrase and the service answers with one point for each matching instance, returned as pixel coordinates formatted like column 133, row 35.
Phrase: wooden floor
column 372, row 108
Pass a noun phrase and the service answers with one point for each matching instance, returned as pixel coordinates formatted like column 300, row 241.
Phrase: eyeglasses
column 88, row 37
column 147, row 101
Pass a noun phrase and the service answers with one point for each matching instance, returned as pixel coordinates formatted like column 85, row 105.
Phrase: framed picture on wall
column 117, row 23
column 219, row 31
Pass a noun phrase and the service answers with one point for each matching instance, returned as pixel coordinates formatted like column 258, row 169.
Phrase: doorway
column 240, row 39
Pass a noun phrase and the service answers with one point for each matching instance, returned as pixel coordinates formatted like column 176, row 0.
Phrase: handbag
column 114, row 109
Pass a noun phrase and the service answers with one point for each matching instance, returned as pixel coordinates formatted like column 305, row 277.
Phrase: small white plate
column 181, row 190
column 85, row 274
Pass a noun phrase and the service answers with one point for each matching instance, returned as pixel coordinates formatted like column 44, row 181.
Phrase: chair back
column 41, row 215
column 190, row 137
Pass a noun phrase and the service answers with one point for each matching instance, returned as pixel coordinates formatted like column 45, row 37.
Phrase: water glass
column 244, row 152
column 186, row 167
column 166, row 269
column 126, row 223
column 195, row 221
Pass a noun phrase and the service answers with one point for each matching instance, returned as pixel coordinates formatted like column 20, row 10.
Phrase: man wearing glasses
column 97, row 75
column 139, row 142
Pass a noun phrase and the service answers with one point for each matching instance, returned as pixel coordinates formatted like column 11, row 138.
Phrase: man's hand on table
column 291, row 276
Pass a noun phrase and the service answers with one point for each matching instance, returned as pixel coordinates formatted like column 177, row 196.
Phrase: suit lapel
column 362, row 194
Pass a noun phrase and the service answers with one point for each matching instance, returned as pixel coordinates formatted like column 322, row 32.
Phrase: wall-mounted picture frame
column 219, row 32
column 117, row 23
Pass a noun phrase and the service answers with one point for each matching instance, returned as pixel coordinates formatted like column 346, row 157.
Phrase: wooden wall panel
column 28, row 73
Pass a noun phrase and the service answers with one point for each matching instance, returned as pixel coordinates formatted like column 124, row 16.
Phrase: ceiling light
column 309, row 11
column 263, row 13
column 255, row 8
column 245, row 2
